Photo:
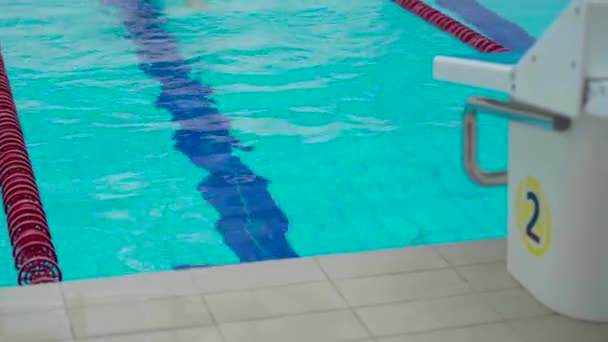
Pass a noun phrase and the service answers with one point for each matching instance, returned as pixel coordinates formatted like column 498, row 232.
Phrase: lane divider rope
column 451, row 26
column 29, row 233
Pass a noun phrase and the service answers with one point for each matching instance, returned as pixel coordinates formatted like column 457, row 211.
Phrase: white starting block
column 558, row 157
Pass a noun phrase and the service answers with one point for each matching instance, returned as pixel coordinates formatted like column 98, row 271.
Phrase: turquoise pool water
column 360, row 145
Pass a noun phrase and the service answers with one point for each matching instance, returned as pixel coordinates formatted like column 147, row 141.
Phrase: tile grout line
column 428, row 299
column 304, row 282
column 350, row 308
column 214, row 320
column 363, row 276
column 515, row 332
column 370, row 305
column 143, row 299
column 67, row 311
column 205, row 293
column 471, row 325
column 521, row 336
column 470, row 286
column 453, row 268
column 500, row 318
column 505, row 321
column 434, row 247
column 317, row 263
column 463, row 278
column 141, row 332
column 293, row 314
column 321, row 311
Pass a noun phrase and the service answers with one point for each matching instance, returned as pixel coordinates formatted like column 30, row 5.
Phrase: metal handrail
column 511, row 111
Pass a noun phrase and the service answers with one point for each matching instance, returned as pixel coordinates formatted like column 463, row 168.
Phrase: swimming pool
column 355, row 146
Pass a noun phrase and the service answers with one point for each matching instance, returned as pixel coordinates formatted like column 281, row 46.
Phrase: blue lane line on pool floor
column 490, row 24
column 251, row 222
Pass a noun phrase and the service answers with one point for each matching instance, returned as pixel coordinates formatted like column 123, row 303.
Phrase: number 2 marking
column 530, row 226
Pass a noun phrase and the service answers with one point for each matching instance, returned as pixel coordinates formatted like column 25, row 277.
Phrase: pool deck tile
column 493, row 332
column 453, row 293
column 139, row 316
column 15, row 300
column 427, row 315
column 199, row 334
column 134, row 287
column 475, row 252
column 35, row 326
column 397, row 260
column 341, row 325
column 274, row 301
column 256, row 275
column 487, row 277
column 402, row 287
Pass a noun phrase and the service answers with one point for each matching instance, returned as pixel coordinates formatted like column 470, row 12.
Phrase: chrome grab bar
column 511, row 111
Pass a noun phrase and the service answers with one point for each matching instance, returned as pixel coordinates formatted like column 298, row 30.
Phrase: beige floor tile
column 496, row 332
column 319, row 327
column 405, row 295
column 256, row 275
column 274, row 301
column 403, row 286
column 450, row 312
column 202, row 334
column 381, row 262
column 132, row 287
column 42, row 326
column 515, row 303
column 486, row 277
column 474, row 252
column 139, row 316
column 30, row 298
column 559, row 329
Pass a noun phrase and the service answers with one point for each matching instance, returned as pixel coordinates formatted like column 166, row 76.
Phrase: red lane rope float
column 33, row 250
column 451, row 26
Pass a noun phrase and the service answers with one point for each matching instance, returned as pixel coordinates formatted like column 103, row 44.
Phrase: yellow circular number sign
column 533, row 216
